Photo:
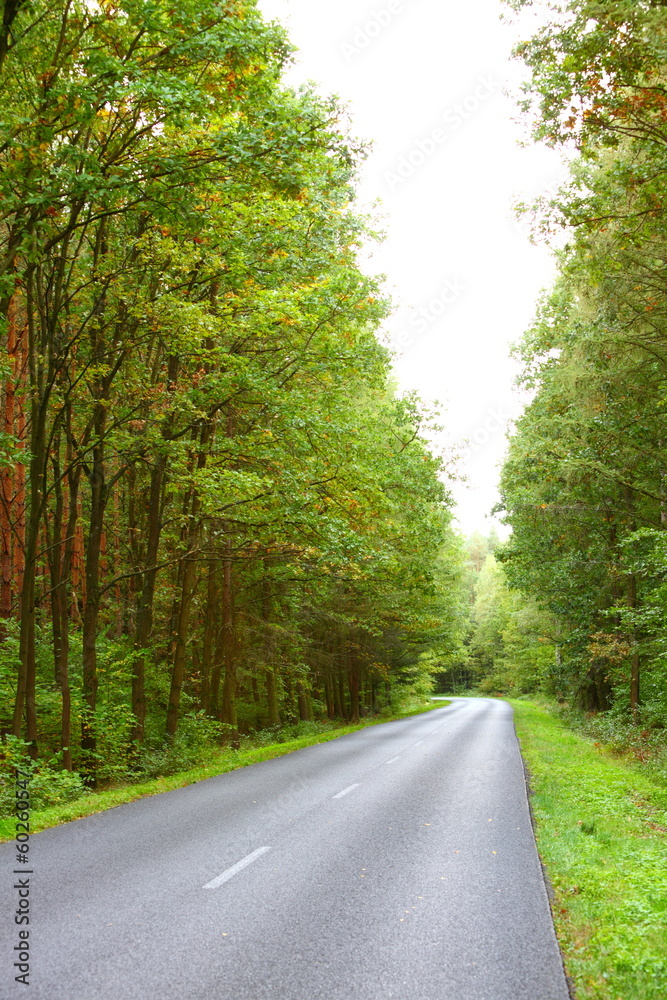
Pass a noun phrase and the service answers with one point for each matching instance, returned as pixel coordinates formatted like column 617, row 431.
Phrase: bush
column 619, row 734
column 49, row 785
column 196, row 738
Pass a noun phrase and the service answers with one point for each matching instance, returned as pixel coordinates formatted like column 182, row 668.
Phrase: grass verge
column 219, row 762
column 601, row 826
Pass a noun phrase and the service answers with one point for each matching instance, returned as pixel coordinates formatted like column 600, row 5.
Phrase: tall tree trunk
column 632, row 602
column 7, row 487
column 269, row 674
column 189, row 580
column 635, row 662
column 25, row 687
column 353, row 681
column 180, row 649
column 208, row 646
column 91, row 611
column 342, row 700
column 228, row 707
column 216, row 673
column 304, row 702
column 329, row 694
column 56, row 544
column 145, row 600
column 73, row 481
column 272, row 698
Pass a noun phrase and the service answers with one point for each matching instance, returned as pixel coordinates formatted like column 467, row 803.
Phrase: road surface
column 396, row 862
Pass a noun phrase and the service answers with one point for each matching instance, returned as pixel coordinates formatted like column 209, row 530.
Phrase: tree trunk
column 270, row 677
column 342, row 701
column 272, row 698
column 329, row 694
column 631, row 594
column 304, row 702
column 180, row 651
column 635, row 663
column 228, row 707
column 145, row 600
column 189, row 579
column 353, row 680
column 91, row 611
column 57, row 547
column 25, row 687
column 208, row 649
column 7, row 486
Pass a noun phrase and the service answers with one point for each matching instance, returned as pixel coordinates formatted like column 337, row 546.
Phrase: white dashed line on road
column 393, row 760
column 235, row 869
column 345, row 791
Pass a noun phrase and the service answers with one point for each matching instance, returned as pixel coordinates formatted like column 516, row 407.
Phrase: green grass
column 601, row 826
column 218, row 762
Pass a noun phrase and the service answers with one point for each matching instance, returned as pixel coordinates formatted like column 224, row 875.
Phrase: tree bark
column 353, row 681
column 189, row 580
column 91, row 611
column 228, row 707
column 146, row 597
column 635, row 661
column 329, row 694
column 304, row 702
column 208, row 647
column 25, row 687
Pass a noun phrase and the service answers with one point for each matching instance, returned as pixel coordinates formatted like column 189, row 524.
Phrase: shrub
column 49, row 785
column 197, row 737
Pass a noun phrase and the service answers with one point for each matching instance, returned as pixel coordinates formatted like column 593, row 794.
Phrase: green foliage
column 48, row 785
column 510, row 646
column 197, row 738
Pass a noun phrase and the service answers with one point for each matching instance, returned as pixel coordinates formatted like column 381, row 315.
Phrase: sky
column 431, row 84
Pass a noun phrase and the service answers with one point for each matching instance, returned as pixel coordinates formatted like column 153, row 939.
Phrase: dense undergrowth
column 619, row 735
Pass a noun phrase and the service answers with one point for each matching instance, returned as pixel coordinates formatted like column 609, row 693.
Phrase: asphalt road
column 396, row 862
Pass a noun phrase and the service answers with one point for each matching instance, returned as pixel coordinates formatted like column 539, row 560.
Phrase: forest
column 228, row 530
column 584, row 486
column 217, row 513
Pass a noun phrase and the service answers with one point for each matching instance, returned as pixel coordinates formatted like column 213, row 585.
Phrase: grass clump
column 601, row 826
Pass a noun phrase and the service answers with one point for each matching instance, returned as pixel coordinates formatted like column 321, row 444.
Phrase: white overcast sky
column 426, row 82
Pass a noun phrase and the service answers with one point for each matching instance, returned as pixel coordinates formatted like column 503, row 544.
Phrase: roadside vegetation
column 59, row 798
column 601, row 825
